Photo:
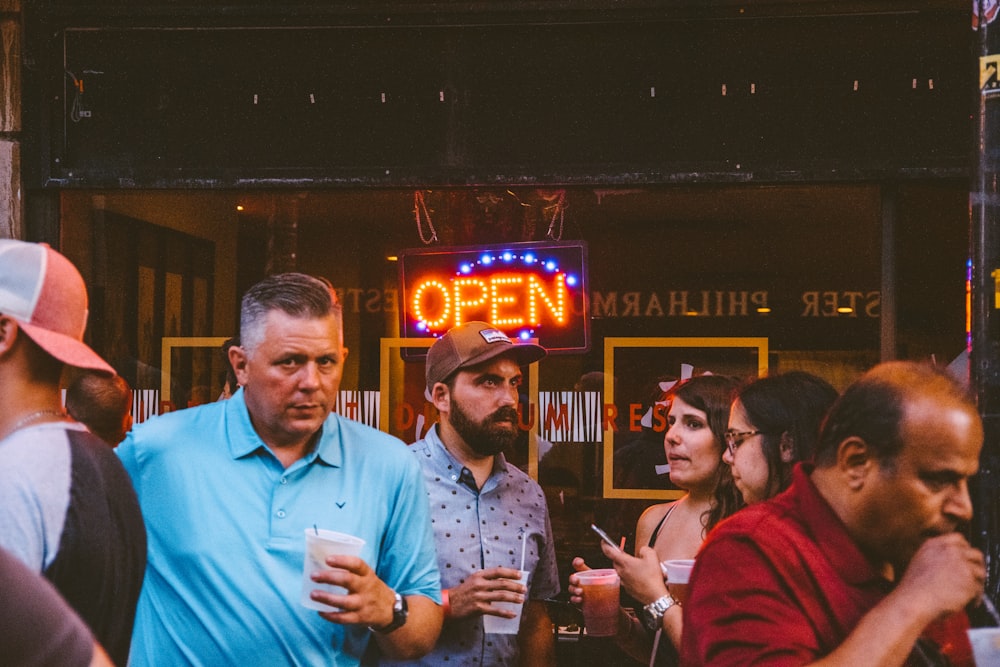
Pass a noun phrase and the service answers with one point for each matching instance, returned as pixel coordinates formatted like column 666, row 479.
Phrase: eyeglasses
column 735, row 438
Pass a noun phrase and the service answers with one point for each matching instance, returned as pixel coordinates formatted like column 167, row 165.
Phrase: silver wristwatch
column 652, row 613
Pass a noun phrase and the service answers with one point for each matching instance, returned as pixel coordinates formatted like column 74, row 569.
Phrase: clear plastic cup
column 320, row 544
column 497, row 625
column 601, row 601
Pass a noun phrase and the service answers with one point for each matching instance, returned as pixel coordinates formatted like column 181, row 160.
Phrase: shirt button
column 454, row 478
column 281, row 514
column 284, row 480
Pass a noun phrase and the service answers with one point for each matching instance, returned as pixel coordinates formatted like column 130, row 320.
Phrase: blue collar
column 244, row 440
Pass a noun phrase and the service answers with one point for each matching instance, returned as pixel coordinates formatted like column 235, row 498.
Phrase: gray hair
column 295, row 294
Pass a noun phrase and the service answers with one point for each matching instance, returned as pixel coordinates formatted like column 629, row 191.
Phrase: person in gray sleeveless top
column 67, row 506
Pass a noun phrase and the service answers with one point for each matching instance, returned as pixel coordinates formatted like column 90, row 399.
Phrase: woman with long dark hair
column 694, row 443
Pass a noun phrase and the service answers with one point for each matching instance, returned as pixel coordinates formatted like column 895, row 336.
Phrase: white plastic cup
column 985, row 645
column 320, row 544
column 497, row 625
column 678, row 574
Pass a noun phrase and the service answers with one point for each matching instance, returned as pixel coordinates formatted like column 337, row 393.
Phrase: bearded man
column 483, row 509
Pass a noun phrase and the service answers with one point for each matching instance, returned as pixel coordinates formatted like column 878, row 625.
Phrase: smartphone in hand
column 604, row 536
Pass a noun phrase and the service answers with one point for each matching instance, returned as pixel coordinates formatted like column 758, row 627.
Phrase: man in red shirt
column 860, row 561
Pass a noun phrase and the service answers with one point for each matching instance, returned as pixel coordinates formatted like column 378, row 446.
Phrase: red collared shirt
column 782, row 583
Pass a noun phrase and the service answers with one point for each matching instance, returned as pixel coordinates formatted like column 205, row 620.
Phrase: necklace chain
column 29, row 418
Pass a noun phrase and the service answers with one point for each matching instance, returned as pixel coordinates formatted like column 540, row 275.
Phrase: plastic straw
column 990, row 609
column 524, row 548
column 316, row 528
column 656, row 646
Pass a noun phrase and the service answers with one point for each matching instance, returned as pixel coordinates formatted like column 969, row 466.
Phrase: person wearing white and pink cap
column 67, row 506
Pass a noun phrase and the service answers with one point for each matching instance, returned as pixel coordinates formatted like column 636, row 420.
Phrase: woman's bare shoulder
column 652, row 516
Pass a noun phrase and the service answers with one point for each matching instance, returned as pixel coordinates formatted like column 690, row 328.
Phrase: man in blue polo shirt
column 228, row 489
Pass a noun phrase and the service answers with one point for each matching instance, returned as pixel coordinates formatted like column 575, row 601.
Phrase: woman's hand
column 641, row 577
column 575, row 591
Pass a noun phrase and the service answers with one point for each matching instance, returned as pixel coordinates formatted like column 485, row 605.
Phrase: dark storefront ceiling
column 562, row 7
column 513, row 93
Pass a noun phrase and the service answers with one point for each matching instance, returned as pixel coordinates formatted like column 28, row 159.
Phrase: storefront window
column 791, row 275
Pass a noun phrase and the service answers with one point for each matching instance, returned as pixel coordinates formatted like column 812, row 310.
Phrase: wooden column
column 11, row 216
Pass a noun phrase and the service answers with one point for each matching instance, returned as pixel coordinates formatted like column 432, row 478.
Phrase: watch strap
column 399, row 613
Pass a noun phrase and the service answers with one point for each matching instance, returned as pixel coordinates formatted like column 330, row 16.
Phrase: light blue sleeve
column 408, row 563
column 126, row 454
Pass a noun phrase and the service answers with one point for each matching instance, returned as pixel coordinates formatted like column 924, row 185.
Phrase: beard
column 488, row 437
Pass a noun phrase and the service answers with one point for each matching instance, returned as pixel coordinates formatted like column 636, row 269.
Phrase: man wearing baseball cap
column 67, row 506
column 490, row 519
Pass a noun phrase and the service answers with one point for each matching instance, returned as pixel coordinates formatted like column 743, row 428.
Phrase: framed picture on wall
column 639, row 374
column 193, row 370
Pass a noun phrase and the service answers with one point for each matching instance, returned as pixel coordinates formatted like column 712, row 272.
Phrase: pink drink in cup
column 600, row 601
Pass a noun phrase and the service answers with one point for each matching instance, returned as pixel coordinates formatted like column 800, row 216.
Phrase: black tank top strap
column 666, row 654
column 656, row 531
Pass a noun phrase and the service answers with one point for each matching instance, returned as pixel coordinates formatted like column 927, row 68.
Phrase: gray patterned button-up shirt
column 474, row 530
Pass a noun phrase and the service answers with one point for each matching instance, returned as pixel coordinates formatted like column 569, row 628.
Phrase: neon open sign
column 528, row 290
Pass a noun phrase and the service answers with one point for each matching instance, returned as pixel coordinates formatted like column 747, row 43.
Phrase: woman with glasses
column 774, row 423
column 694, row 444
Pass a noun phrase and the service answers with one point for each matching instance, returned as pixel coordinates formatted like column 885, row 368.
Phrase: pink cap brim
column 67, row 350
